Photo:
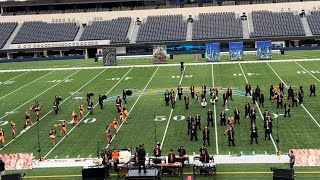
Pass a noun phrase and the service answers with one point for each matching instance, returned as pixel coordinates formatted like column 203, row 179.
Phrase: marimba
column 204, row 168
column 170, row 168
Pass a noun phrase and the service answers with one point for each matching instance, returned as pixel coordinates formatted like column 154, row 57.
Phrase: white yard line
column 26, row 84
column 42, row 117
column 87, row 114
column 215, row 115
column 287, row 87
column 308, row 72
column 165, row 131
column 17, row 76
column 274, row 144
column 157, row 65
column 135, row 103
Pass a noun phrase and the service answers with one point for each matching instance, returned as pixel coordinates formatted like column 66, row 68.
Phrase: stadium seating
column 314, row 21
column 39, row 32
column 6, row 29
column 115, row 30
column 163, row 28
column 274, row 24
column 217, row 26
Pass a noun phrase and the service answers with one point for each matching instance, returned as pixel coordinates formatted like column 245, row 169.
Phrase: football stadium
column 159, row 89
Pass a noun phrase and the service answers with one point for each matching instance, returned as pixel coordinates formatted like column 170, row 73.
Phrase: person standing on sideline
column 292, row 160
column 141, row 158
column 2, row 168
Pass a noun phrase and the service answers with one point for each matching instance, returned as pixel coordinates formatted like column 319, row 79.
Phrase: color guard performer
column 2, row 139
column 64, row 129
column 125, row 112
column 287, row 109
column 248, row 89
column 312, row 89
column 236, row 115
column 118, row 104
column 28, row 119
column 81, row 111
column 36, row 108
column 206, row 136
column 52, row 135
column 123, row 117
column 230, row 133
column 115, row 124
column 281, row 87
column 186, row 101
column 167, row 97
column 210, row 118
column 180, row 93
column 75, row 119
column 254, row 133
column 108, row 134
column 223, row 118
column 192, row 91
column 190, row 121
column 198, row 121
column 13, row 129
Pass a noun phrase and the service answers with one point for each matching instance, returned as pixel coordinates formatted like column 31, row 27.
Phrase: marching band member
column 28, row 120
column 90, row 106
column 223, row 118
column 179, row 89
column 261, row 99
column 204, row 102
column 206, row 136
column 115, row 157
column 194, row 132
column 253, row 115
column 271, row 92
column 295, row 99
column 214, row 97
column 182, row 151
column 247, row 108
column 157, row 151
column 173, row 101
column 64, row 129
column 217, row 92
column 172, row 93
column 192, row 91
column 204, row 89
column 230, row 132
column 280, row 101
column 124, row 96
column 210, row 118
column 13, row 129
column 190, row 121
column 248, row 89
column 312, row 89
column 198, row 121
column 56, row 104
column 171, row 157
column 254, row 97
column 108, row 134
column 281, row 87
column 254, row 133
column 300, row 95
column 196, row 98
column 52, row 135
column 204, row 155
column 287, row 109
column 186, row 101
column 2, row 139
column 100, row 100
column 118, row 104
column 290, row 93
column 237, row 115
column 268, row 129
column 81, row 111
column 167, row 97
column 225, row 100
column 229, row 93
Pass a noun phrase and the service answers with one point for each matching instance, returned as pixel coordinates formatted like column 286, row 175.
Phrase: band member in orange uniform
column 52, row 135
column 81, row 112
column 36, row 108
column 123, row 117
column 28, row 120
column 64, row 129
column 13, row 129
column 75, row 119
column 115, row 124
column 108, row 134
column 125, row 112
column 2, row 137
column 115, row 157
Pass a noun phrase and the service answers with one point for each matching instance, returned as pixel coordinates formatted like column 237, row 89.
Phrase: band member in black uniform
column 190, row 121
column 186, row 101
column 236, row 115
column 292, row 159
column 247, row 108
column 210, row 118
column 300, row 95
column 261, row 99
column 257, row 91
column 204, row 89
column 214, row 97
column 225, row 99
column 248, row 89
column 192, row 91
column 223, row 118
column 217, row 92
column 253, row 115
column 179, row 89
column 254, row 97
column 229, row 93
column 290, row 93
column 287, row 109
column 281, row 87
column 182, row 152
column 90, row 106
column 118, row 104
column 141, row 158
column 56, row 104
column 254, row 133
column 280, row 101
column 157, row 152
column 173, row 101
column 124, row 96
column 171, row 157
column 198, row 121
column 295, row 99
column 100, row 101
column 312, row 89
column 194, row 132
column 271, row 92
column 204, row 155
column 211, row 90
column 206, row 136
column 172, row 93
column 182, row 66
column 267, row 129
column 167, row 97
column 230, row 133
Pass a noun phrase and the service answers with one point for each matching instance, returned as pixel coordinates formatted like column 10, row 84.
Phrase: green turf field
column 151, row 121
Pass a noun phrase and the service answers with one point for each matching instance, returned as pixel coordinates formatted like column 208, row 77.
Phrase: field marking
column 215, row 114
column 16, row 76
column 134, row 104
column 67, row 156
column 274, row 144
column 28, row 102
column 301, row 103
column 26, row 84
column 167, row 126
column 88, row 113
column 158, row 65
column 308, row 72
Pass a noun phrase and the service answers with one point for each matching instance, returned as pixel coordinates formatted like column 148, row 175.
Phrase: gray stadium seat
column 6, row 29
column 314, row 21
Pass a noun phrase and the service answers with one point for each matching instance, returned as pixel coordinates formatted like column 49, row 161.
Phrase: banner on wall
column 264, row 50
column 160, row 54
column 213, row 51
column 306, row 157
column 18, row 161
column 236, row 50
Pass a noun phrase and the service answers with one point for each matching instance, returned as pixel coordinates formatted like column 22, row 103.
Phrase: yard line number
column 304, row 72
column 164, row 118
column 247, row 74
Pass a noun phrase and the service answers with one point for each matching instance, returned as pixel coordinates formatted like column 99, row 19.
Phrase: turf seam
column 215, row 115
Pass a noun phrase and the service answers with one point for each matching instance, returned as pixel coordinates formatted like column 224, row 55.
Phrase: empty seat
column 6, row 29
